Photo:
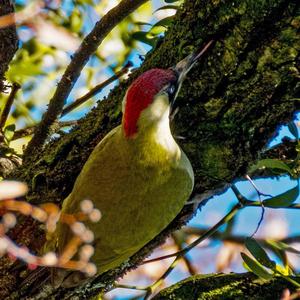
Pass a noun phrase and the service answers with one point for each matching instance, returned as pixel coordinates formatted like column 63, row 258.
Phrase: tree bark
column 8, row 41
column 230, row 106
column 225, row 286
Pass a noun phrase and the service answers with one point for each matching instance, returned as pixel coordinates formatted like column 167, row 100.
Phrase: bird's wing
column 71, row 205
column 136, row 200
column 106, row 166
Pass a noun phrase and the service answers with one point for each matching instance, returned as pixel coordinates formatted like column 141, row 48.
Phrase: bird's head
column 152, row 95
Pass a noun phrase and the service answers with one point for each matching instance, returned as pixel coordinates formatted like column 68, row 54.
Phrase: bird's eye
column 171, row 89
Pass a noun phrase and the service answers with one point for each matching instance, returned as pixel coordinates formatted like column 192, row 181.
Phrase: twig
column 95, row 90
column 259, row 193
column 205, row 235
column 260, row 220
column 8, row 104
column 185, row 250
column 187, row 261
column 128, row 286
column 248, row 203
column 238, row 239
column 88, row 46
column 242, row 200
column 289, row 279
column 30, row 130
column 158, row 282
column 258, row 204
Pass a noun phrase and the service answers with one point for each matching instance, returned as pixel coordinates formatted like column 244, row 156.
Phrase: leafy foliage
column 263, row 266
column 277, row 166
column 47, row 44
column 283, row 200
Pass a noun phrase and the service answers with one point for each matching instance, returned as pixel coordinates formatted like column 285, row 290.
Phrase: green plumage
column 139, row 184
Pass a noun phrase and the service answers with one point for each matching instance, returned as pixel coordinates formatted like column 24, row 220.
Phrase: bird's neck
column 154, row 137
column 161, row 134
column 157, row 144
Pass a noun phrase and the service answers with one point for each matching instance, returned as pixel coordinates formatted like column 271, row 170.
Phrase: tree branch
column 88, row 46
column 30, row 129
column 225, row 286
column 95, row 90
column 8, row 104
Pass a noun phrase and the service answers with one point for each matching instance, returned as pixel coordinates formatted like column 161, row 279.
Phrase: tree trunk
column 8, row 41
column 230, row 106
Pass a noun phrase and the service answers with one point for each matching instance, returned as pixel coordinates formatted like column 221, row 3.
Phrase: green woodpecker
column 137, row 176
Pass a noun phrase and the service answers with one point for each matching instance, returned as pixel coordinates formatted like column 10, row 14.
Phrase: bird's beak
column 184, row 66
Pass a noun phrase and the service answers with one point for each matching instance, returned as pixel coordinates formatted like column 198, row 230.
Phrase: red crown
column 141, row 93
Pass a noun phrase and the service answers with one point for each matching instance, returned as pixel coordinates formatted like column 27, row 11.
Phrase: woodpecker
column 137, row 176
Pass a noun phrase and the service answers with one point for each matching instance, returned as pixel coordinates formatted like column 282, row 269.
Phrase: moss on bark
column 225, row 286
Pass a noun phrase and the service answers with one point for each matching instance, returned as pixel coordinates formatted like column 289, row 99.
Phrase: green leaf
column 256, row 267
column 25, row 65
column 160, row 26
column 230, row 226
column 274, row 164
column 294, row 130
column 283, row 200
column 282, row 246
column 82, row 2
column 142, row 24
column 142, row 37
column 9, row 132
column 283, row 270
column 164, row 22
column 76, row 20
column 154, row 31
column 281, row 256
column 259, row 253
column 167, row 7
